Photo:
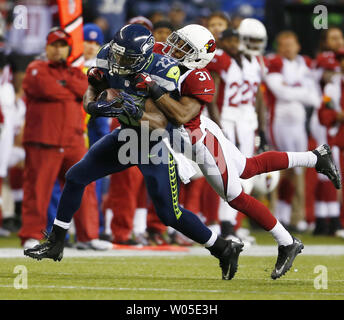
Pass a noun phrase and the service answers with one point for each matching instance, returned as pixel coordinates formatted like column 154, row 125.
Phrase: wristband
column 155, row 91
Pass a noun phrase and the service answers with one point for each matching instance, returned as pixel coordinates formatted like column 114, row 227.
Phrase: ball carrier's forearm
column 89, row 96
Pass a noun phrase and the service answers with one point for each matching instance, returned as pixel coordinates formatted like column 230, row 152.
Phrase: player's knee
column 233, row 193
column 240, row 202
column 167, row 217
column 250, row 168
column 168, row 221
column 74, row 175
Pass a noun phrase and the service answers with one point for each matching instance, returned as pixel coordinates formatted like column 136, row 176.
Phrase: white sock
column 62, row 224
column 333, row 209
column 281, row 235
column 320, row 209
column 140, row 221
column 302, row 159
column 211, row 240
column 107, row 220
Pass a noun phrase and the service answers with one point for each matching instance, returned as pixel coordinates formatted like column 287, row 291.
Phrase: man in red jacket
column 54, row 141
column 331, row 115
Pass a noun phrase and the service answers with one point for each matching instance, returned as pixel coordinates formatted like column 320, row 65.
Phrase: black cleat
column 286, row 256
column 326, row 165
column 52, row 248
column 229, row 259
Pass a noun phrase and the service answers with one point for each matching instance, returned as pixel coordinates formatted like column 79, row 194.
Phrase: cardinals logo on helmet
column 210, row 46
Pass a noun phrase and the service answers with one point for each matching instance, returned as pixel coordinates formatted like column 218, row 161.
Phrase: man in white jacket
column 7, row 105
column 290, row 89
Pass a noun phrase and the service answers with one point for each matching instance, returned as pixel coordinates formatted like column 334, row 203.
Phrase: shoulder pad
column 101, row 60
column 164, row 71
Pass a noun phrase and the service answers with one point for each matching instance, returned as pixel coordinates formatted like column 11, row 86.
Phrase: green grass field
column 162, row 278
column 171, row 277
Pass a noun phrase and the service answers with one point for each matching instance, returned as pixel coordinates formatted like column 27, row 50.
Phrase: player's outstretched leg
column 286, row 256
column 319, row 158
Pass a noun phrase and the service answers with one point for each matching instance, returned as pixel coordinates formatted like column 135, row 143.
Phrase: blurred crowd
column 300, row 96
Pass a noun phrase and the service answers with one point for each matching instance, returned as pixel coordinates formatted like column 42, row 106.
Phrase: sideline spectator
column 291, row 88
column 331, row 114
column 54, row 141
column 326, row 201
column 161, row 30
column 7, row 119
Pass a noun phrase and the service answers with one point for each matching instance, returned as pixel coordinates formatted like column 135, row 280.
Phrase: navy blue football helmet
column 130, row 49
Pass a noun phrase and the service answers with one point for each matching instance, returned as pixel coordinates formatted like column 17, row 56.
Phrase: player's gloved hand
column 263, row 145
column 130, row 108
column 143, row 82
column 102, row 108
column 96, row 78
column 94, row 75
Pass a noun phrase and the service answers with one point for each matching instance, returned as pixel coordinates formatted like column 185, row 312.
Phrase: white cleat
column 95, row 244
column 30, row 243
column 4, row 232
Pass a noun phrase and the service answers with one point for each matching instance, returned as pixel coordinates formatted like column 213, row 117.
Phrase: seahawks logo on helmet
column 148, row 44
column 210, row 46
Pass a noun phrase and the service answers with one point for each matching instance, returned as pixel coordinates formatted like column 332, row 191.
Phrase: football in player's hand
column 109, row 94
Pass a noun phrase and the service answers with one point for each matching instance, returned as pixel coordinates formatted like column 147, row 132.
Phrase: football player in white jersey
column 241, row 70
column 219, row 160
column 226, row 68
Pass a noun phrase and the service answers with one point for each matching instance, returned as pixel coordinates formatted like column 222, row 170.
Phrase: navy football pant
column 161, row 182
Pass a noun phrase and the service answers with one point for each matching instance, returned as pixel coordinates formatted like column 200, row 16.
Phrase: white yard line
column 173, row 290
column 253, row 251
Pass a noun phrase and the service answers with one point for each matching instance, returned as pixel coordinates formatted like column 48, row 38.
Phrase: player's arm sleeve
column 38, row 83
column 200, row 85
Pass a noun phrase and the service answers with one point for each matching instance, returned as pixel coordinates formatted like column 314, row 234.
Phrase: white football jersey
column 252, row 78
column 233, row 79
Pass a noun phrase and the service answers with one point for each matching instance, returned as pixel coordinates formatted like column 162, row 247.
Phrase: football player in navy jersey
column 118, row 63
